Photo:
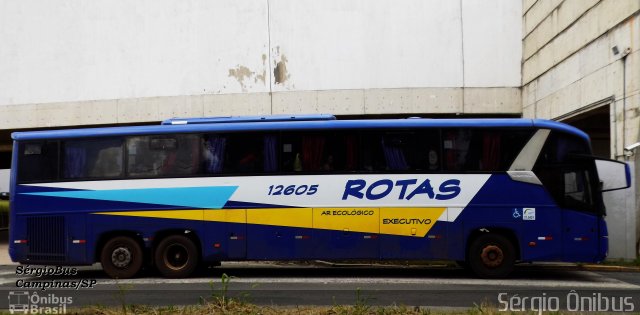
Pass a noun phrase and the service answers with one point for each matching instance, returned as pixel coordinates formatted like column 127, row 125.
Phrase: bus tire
column 176, row 257
column 491, row 256
column 121, row 257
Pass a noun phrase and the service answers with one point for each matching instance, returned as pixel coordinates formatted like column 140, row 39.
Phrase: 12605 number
column 292, row 190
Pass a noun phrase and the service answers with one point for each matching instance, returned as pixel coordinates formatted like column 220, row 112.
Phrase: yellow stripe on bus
column 364, row 220
column 227, row 215
column 391, row 221
column 408, row 221
column 290, row 217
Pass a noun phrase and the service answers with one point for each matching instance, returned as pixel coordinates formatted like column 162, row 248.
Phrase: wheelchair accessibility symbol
column 516, row 213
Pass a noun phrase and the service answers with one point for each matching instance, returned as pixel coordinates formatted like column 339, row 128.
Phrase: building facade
column 581, row 65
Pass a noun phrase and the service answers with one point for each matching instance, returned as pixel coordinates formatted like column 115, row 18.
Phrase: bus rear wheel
column 176, row 257
column 491, row 256
column 121, row 257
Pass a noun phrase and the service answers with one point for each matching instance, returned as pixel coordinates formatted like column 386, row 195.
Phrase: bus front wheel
column 491, row 256
column 121, row 257
column 176, row 256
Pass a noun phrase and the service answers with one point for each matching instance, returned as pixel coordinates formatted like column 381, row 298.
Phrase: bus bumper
column 16, row 254
column 603, row 249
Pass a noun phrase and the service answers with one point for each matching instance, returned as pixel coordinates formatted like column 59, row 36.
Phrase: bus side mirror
column 613, row 174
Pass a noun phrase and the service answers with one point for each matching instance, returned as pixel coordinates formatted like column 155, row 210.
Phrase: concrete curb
column 609, row 268
column 584, row 267
column 548, row 266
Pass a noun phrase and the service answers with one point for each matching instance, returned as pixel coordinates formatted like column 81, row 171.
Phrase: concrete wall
column 4, row 180
column 569, row 68
column 105, row 62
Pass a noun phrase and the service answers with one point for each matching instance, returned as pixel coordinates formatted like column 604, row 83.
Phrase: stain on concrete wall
column 262, row 77
column 244, row 75
column 280, row 71
column 240, row 73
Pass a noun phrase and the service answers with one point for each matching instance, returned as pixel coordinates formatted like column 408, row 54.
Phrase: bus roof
column 239, row 119
column 277, row 125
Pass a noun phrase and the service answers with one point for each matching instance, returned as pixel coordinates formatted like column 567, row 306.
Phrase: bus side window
column 304, row 151
column 567, row 180
column 391, row 151
column 394, row 148
column 183, row 155
column 570, row 186
column 432, row 162
column 576, row 187
column 486, row 150
column 270, row 153
column 313, row 150
column 98, row 158
column 108, row 163
column 213, row 153
column 326, row 152
column 38, row 161
column 456, row 147
column 244, row 154
column 427, row 153
column 473, row 150
column 290, row 151
column 351, row 152
column 143, row 160
column 511, row 143
column 368, row 158
column 170, row 155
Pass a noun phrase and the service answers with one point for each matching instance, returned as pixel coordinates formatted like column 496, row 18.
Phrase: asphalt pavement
column 589, row 287
column 318, row 284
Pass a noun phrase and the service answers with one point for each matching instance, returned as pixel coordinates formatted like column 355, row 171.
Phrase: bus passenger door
column 580, row 237
column 346, row 233
column 579, row 215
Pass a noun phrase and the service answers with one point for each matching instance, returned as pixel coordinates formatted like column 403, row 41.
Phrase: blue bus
column 487, row 193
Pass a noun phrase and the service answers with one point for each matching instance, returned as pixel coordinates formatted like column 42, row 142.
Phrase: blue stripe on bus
column 45, row 205
column 195, row 197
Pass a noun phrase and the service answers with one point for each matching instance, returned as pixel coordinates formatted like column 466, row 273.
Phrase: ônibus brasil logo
column 25, row 302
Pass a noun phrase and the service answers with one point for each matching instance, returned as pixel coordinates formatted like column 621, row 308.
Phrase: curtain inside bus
column 270, row 153
column 491, row 152
column 312, row 149
column 75, row 160
column 214, row 153
column 351, row 157
column 394, row 156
